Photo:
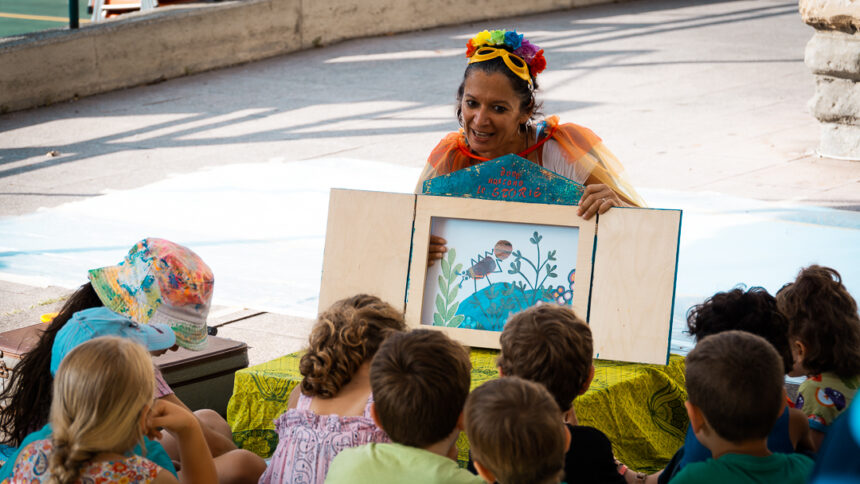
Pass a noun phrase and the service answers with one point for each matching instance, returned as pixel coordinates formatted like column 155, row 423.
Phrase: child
column 84, row 326
column 158, row 281
column 102, row 406
column 824, row 332
column 735, row 395
column 420, row 381
column 516, row 433
column 550, row 345
column 754, row 311
column 330, row 410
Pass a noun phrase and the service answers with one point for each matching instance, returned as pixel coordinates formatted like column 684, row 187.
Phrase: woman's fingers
column 437, row 249
column 597, row 198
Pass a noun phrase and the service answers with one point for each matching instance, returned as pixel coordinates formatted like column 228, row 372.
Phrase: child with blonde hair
column 103, row 405
column 330, row 410
column 824, row 334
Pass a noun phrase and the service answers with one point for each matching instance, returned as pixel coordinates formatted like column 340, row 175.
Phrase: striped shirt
column 162, row 389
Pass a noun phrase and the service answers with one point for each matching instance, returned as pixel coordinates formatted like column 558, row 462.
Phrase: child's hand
column 172, row 418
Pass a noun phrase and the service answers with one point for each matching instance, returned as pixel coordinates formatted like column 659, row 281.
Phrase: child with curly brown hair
column 330, row 410
column 824, row 333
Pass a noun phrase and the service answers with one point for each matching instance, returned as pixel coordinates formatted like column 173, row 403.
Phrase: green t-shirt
column 741, row 468
column 384, row 463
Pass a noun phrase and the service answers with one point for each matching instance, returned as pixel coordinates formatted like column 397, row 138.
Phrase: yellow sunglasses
column 514, row 62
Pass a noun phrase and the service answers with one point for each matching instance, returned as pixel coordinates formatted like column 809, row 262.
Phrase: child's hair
column 27, row 395
column 754, row 311
column 550, row 345
column 736, row 379
column 823, row 316
column 345, row 336
column 515, row 431
column 99, row 391
column 420, row 381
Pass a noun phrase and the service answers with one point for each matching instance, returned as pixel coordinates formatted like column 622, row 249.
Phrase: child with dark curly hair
column 330, row 410
column 824, row 333
column 752, row 311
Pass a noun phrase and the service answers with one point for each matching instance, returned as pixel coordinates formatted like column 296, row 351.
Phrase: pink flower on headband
column 527, row 51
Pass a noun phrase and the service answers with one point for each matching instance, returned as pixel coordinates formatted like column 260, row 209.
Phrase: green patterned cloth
column 639, row 407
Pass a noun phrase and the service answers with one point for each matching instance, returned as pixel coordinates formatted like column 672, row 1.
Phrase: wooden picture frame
column 377, row 243
column 428, row 207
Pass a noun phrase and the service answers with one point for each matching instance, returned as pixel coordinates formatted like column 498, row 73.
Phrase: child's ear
column 460, row 423
column 373, row 415
column 588, row 381
column 501, row 374
column 566, row 439
column 485, row 473
column 697, row 420
column 798, row 351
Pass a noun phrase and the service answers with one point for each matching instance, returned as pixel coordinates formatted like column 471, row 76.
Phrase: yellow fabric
column 639, row 407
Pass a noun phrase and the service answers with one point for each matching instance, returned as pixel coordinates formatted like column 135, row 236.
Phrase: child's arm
column 197, row 463
column 817, row 438
column 164, row 477
column 798, row 428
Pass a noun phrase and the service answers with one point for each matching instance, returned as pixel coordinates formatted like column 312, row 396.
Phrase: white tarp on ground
column 261, row 228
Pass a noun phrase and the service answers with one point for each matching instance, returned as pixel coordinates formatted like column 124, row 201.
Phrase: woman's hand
column 598, row 198
column 437, row 249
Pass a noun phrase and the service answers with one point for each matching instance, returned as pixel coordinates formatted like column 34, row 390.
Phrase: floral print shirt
column 32, row 467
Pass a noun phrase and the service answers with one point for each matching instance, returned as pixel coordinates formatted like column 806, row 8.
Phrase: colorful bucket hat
column 160, row 282
column 96, row 322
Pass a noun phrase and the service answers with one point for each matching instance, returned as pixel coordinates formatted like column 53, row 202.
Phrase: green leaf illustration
column 458, row 269
column 452, row 311
column 440, row 305
column 456, row 320
column 437, row 320
column 446, row 268
column 453, row 294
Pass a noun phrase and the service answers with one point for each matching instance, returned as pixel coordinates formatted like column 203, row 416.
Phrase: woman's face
column 492, row 115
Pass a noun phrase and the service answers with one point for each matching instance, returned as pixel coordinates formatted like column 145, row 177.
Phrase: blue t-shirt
column 154, row 452
column 837, row 458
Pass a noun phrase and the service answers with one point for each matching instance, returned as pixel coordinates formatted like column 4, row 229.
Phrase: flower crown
column 520, row 47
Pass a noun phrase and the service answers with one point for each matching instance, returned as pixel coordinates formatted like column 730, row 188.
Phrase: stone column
column 833, row 54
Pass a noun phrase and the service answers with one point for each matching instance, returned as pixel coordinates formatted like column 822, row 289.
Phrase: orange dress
column 578, row 144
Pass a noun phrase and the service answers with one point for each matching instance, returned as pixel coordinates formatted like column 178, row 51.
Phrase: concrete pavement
column 690, row 95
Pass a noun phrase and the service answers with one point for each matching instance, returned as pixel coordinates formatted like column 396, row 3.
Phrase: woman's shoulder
column 552, row 126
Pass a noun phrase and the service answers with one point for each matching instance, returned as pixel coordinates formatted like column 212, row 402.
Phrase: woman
column 496, row 108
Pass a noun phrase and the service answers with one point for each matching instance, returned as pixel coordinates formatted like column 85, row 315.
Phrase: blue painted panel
column 508, row 178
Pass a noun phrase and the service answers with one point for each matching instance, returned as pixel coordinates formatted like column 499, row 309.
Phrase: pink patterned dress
column 32, row 467
column 308, row 442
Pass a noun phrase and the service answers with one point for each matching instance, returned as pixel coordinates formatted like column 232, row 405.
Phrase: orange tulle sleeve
column 579, row 144
column 446, row 157
column 587, row 149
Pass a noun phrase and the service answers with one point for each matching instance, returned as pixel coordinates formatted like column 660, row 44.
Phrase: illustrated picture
column 494, row 269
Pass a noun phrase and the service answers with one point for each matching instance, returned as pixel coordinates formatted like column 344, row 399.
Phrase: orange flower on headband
column 470, row 48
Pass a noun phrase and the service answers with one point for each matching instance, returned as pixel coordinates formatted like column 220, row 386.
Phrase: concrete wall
column 48, row 67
